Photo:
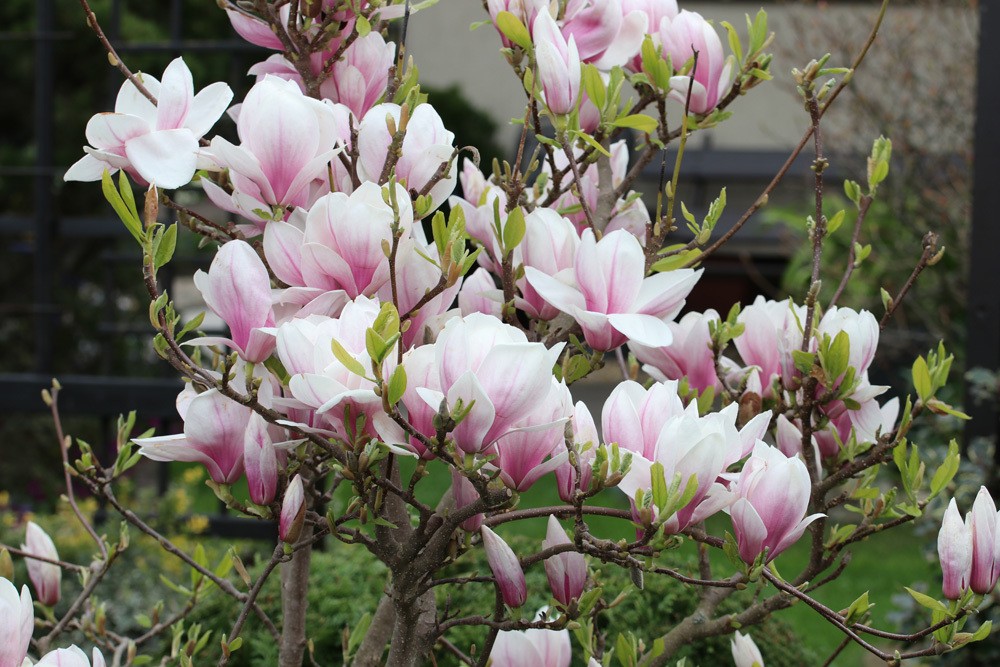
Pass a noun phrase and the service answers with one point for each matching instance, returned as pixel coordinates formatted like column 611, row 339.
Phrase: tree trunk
column 413, row 631
column 294, row 601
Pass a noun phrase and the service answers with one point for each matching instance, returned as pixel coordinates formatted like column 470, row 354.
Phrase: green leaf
column 126, row 192
column 363, row 26
column 983, row 632
column 853, row 191
column 344, row 357
column 397, row 385
column 165, row 244
column 514, row 30
column 659, row 482
column 804, row 361
column 922, row 379
column 132, row 222
column 946, row 471
column 513, row 229
column 926, row 601
column 593, row 143
column 637, row 121
column 833, row 224
column 359, row 632
column 192, row 324
column 734, row 41
column 593, row 84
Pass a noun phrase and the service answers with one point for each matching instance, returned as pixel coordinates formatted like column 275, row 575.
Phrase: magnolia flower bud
column 745, row 652
column 45, row 577
column 955, row 553
column 567, row 571
column 982, row 522
column 71, row 657
column 506, row 568
column 261, row 461
column 293, row 512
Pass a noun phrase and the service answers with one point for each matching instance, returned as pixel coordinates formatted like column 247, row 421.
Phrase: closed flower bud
column 745, row 652
column 45, row 577
column 567, row 571
column 17, row 622
column 955, row 553
column 982, row 522
column 293, row 512
column 506, row 569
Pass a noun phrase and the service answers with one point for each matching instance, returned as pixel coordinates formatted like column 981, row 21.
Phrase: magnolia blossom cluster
column 609, row 33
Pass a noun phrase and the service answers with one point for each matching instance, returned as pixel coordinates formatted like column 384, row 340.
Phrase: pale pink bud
column 293, row 512
column 745, row 651
column 558, row 64
column 549, row 245
column 862, row 330
column 464, row 494
column 566, row 571
column 360, row 76
column 261, row 461
column 506, row 568
column 982, row 521
column 681, row 37
column 17, row 622
column 772, row 330
column 772, row 495
column 45, row 577
column 243, row 304
column 633, row 416
column 524, row 10
column 479, row 294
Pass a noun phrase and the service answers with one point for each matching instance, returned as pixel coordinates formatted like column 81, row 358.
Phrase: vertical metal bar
column 983, row 318
column 44, row 265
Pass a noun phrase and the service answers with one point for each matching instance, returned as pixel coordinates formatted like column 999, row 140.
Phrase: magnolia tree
column 377, row 316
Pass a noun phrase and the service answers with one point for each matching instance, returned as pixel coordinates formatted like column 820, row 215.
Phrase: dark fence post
column 983, row 323
column 44, row 267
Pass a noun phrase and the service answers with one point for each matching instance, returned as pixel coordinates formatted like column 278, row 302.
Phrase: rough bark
column 294, row 601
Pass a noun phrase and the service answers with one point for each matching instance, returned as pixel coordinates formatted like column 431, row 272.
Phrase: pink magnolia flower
column 260, row 459
column 955, row 551
column 155, row 144
column 421, row 372
column 609, row 297
column 633, row 416
column 535, row 446
column 698, row 448
column 532, row 648
column 427, row 145
column 506, row 568
column 862, row 330
column 293, row 511
column 287, row 141
column 237, row 288
column 558, row 64
column 214, row 431
column 342, row 243
column 71, row 657
column 773, row 329
column 321, row 383
column 586, row 441
column 745, row 651
column 772, row 496
column 415, row 276
column 984, row 524
column 17, row 623
column 549, row 245
column 45, row 577
column 481, row 359
column 689, row 355
column 566, row 571
column 681, row 36
column 361, row 75
column 480, row 294
column 605, row 33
